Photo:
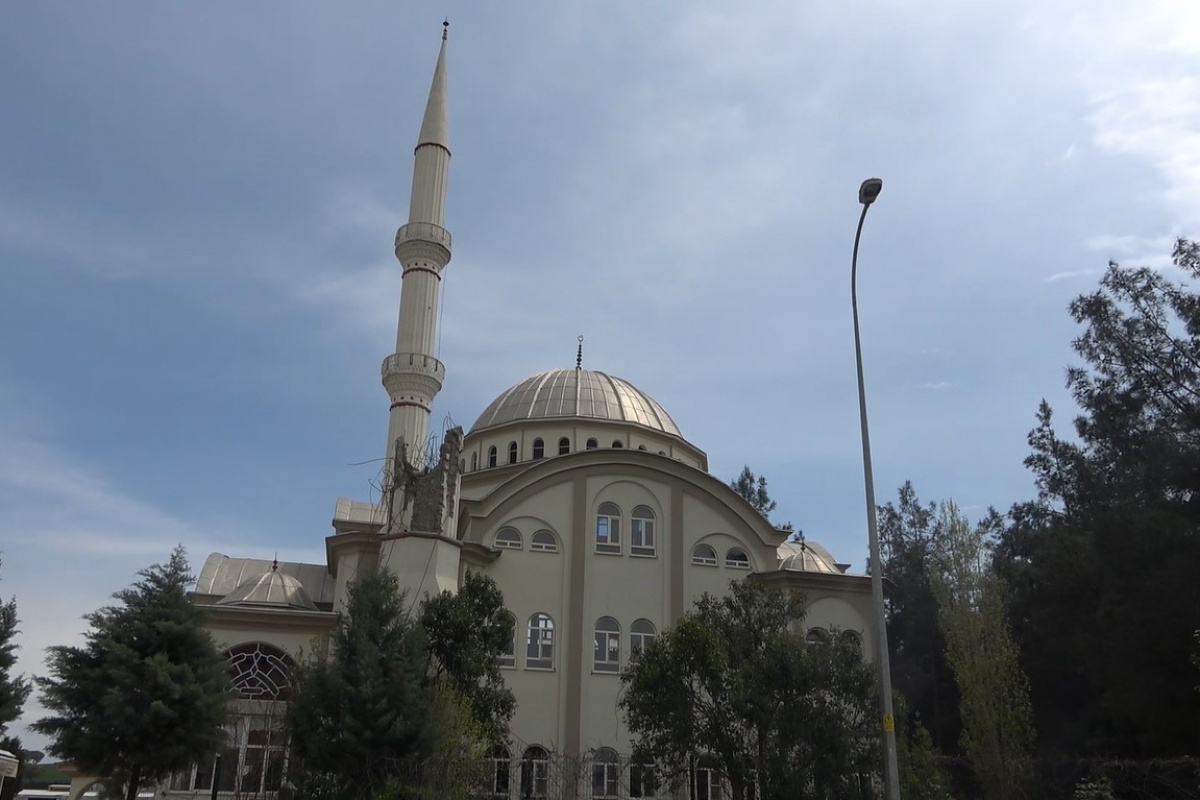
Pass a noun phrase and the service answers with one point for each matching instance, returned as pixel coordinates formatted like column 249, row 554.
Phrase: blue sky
column 197, row 204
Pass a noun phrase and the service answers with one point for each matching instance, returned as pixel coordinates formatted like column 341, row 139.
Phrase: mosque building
column 574, row 490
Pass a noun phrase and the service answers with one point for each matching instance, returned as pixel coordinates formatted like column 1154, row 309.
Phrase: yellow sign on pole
column 889, row 724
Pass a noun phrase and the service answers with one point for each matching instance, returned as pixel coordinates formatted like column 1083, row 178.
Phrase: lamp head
column 869, row 190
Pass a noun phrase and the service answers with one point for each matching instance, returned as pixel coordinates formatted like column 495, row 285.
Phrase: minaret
column 412, row 375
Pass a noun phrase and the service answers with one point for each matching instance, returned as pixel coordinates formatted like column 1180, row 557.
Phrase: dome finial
column 579, row 354
column 275, row 563
column 445, row 27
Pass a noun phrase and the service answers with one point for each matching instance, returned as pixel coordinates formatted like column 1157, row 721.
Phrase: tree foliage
column 753, row 488
column 736, row 679
column 465, row 633
column 360, row 709
column 146, row 694
column 1102, row 567
column 909, row 536
column 14, row 689
column 997, row 731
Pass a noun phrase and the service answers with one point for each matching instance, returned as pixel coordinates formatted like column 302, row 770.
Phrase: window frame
column 564, row 446
column 704, row 561
column 641, row 529
column 639, row 640
column 606, row 773
column 606, row 646
column 492, row 455
column 543, row 547
column 508, row 659
column 535, row 773
column 514, row 452
column 544, row 658
column 539, row 449
column 742, row 563
column 608, row 520
column 519, row 542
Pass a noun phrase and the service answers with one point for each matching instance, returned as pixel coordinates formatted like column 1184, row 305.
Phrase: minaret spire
column 413, row 375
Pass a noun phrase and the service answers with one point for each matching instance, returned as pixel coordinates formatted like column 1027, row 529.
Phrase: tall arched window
column 707, row 778
column 498, row 755
column 704, row 556
column 474, row 461
column 512, row 452
column 641, row 634
column 535, row 773
column 607, row 650
column 641, row 778
column 564, row 446
column 592, row 444
column 608, row 528
column 642, row 541
column 508, row 657
column 605, row 769
column 492, row 456
column 617, row 443
column 539, row 646
column 539, row 449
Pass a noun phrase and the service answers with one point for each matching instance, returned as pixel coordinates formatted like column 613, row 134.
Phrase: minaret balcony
column 413, row 371
column 424, row 241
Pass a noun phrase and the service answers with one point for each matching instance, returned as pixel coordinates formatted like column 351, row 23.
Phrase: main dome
column 576, row 393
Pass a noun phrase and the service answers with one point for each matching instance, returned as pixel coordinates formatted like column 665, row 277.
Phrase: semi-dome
column 271, row 588
column 576, row 393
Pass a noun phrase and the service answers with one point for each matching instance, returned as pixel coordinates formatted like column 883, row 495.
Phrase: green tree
column 909, row 535
column 735, row 679
column 1102, row 566
column 13, row 688
column 922, row 765
column 146, row 694
column 997, row 734
column 360, row 715
column 466, row 632
column 753, row 489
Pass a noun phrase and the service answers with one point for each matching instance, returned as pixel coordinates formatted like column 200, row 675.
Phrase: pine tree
column 360, row 715
column 13, row 688
column 146, row 694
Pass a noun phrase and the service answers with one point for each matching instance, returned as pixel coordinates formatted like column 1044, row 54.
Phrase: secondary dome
column 576, row 393
column 270, row 589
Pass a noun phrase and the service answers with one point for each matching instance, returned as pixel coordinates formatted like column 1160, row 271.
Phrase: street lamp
column 867, row 193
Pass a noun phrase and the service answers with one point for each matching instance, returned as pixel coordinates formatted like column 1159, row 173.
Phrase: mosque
column 574, row 490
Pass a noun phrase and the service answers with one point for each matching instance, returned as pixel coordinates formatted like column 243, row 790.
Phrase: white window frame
column 738, row 563
column 508, row 543
column 704, row 560
column 539, row 642
column 606, row 646
column 608, row 526
column 543, row 546
column 639, row 637
column 606, row 771
column 643, row 538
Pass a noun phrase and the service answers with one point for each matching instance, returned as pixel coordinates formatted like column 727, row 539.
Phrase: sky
column 198, row 201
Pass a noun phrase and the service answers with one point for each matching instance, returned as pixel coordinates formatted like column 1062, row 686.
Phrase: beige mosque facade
column 574, row 490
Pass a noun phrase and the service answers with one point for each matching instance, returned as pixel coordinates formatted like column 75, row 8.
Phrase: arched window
column 564, row 446
column 535, row 773
column 608, row 529
column 641, row 634
column 592, row 444
column 512, row 452
column 492, row 456
column 736, row 558
column 498, row 755
column 642, row 447
column 539, row 646
column 544, row 542
column 508, row 538
column 661, row 453
column 708, row 779
column 508, row 656
column 474, row 461
column 642, row 539
column 854, row 638
column 817, row 636
column 606, row 655
column 704, row 556
column 539, row 449
column 641, row 778
column 605, row 768
column 259, row 671
column 617, row 443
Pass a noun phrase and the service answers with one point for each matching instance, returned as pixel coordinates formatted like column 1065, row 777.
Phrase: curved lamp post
column 867, row 193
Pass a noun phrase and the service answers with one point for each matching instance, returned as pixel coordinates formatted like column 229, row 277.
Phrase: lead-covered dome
column 270, row 589
column 576, row 393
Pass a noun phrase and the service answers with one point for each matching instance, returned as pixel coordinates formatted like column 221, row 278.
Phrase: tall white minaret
column 412, row 375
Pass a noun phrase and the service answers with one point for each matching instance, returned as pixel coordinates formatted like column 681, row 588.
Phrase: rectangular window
column 604, row 781
column 641, row 781
column 641, row 538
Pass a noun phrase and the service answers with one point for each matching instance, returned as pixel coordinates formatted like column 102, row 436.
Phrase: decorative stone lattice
column 259, row 671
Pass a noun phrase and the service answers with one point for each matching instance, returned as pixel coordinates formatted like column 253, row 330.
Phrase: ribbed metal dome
column 270, row 589
column 806, row 557
column 576, row 393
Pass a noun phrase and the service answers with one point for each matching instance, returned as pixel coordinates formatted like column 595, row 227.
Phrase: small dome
column 576, row 393
column 272, row 589
column 807, row 557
